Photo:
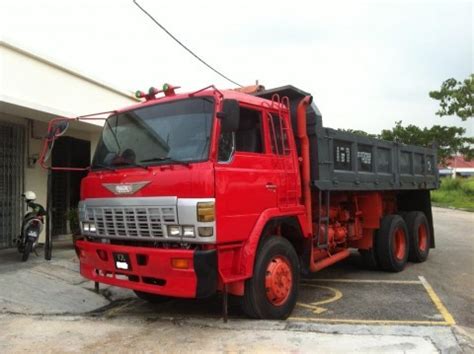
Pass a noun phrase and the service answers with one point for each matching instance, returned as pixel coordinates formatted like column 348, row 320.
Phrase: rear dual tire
column 419, row 236
column 400, row 238
column 392, row 243
column 369, row 258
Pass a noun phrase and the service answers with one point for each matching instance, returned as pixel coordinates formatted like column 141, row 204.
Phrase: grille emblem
column 125, row 188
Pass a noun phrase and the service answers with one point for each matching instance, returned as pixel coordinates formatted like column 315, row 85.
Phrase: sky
column 366, row 63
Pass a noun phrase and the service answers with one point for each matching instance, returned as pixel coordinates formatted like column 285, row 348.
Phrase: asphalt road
column 343, row 308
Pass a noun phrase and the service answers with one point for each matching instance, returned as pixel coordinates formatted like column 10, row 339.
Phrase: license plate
column 32, row 233
column 122, row 261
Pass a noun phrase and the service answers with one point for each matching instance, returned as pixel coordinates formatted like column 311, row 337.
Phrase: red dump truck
column 241, row 192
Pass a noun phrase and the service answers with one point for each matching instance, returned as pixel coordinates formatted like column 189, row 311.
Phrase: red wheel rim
column 422, row 238
column 399, row 244
column 278, row 280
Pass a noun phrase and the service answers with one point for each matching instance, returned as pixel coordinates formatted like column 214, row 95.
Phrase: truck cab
column 177, row 186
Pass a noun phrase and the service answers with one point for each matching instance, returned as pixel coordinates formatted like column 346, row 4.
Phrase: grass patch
column 455, row 193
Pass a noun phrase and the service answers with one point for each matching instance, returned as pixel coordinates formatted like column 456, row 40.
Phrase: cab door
column 246, row 183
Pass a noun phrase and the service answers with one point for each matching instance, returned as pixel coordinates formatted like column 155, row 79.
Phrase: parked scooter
column 31, row 227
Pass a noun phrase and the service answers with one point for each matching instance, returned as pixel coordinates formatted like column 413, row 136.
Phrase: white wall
column 37, row 88
column 33, row 81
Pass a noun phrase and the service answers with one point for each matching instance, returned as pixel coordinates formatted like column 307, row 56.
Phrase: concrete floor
column 47, row 306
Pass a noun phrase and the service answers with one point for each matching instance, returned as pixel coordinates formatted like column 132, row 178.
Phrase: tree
column 449, row 140
column 456, row 98
column 358, row 132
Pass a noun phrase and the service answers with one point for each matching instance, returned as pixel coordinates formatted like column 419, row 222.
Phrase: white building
column 33, row 90
column 457, row 166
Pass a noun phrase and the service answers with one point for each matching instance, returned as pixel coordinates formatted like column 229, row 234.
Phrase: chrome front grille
column 131, row 222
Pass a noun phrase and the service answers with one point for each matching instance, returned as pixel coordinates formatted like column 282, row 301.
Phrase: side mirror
column 58, row 128
column 229, row 116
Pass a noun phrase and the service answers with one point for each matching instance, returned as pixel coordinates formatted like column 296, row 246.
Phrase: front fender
column 250, row 247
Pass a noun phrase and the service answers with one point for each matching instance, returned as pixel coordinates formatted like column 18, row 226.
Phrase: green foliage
column 456, row 98
column 449, row 140
column 73, row 216
column 450, row 184
column 456, row 193
column 468, row 186
column 358, row 132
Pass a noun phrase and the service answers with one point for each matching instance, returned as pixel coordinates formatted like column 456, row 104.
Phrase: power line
column 182, row 45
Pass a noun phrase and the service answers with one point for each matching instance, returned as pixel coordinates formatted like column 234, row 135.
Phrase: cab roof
column 227, row 94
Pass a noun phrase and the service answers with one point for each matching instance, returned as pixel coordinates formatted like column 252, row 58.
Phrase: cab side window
column 278, row 136
column 248, row 138
column 226, row 146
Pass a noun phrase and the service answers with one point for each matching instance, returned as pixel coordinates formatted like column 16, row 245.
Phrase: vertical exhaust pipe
column 302, row 135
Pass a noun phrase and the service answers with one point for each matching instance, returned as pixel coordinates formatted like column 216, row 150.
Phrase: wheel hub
column 278, row 280
column 399, row 244
column 422, row 238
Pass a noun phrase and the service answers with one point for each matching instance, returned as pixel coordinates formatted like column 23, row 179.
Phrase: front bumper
column 151, row 270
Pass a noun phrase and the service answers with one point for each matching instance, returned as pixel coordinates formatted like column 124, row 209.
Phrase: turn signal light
column 205, row 212
column 180, row 263
column 205, row 231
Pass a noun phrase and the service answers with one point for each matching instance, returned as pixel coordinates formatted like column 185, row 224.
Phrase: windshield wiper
column 114, row 134
column 104, row 166
column 167, row 159
column 130, row 163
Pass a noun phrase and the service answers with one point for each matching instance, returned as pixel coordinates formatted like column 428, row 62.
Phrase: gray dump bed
column 345, row 161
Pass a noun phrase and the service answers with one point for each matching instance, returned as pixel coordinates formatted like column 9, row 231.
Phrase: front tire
column 273, row 290
column 392, row 243
column 26, row 250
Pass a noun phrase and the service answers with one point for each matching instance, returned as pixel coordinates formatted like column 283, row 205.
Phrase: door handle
column 271, row 186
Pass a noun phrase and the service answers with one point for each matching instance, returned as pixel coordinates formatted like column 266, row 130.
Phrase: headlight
column 89, row 227
column 188, row 231
column 205, row 212
column 174, row 230
column 177, row 231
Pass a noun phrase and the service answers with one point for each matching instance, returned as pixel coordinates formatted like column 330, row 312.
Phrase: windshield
column 175, row 132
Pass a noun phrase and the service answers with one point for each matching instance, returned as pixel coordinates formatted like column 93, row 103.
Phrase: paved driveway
column 428, row 308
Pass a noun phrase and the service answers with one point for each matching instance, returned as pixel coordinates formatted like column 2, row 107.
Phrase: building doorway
column 12, row 162
column 67, row 152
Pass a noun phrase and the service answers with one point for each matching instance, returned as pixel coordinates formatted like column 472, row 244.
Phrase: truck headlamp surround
column 181, row 231
column 205, row 211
